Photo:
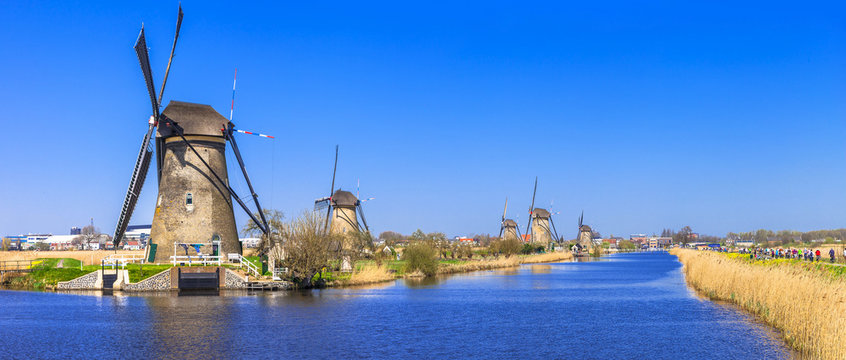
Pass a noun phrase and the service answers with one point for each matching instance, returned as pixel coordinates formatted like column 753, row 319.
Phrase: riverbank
column 46, row 274
column 370, row 273
column 807, row 303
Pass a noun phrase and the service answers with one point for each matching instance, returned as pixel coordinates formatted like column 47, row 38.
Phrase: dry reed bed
column 88, row 257
column 373, row 274
column 369, row 275
column 808, row 307
column 504, row 262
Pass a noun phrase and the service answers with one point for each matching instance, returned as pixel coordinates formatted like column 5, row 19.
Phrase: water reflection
column 194, row 329
column 540, row 268
column 423, row 282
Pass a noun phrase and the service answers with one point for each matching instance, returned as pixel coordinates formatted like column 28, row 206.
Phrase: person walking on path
column 818, row 254
column 831, row 254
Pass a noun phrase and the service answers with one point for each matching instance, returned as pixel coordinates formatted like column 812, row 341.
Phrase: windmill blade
column 136, row 182
column 579, row 232
column 506, row 208
column 363, row 220
column 179, row 131
column 172, row 49
column 557, row 239
column 244, row 171
column 321, row 203
column 144, row 60
column 331, row 192
column 532, row 208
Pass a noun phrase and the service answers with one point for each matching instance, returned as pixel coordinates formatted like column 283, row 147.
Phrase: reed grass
column 808, row 306
column 370, row 275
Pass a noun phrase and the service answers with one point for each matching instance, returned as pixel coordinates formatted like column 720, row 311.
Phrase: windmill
column 194, row 202
column 585, row 238
column 341, row 209
column 508, row 226
column 540, row 221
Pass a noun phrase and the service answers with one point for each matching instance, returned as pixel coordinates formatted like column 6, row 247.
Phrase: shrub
column 421, row 256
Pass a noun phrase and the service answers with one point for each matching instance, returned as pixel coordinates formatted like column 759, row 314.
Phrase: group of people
column 800, row 254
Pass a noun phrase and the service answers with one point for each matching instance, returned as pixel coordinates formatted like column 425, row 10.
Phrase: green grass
column 45, row 274
column 138, row 272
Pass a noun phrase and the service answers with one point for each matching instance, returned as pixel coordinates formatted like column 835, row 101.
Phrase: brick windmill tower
column 508, row 226
column 585, row 238
column 343, row 209
column 194, row 202
column 540, row 220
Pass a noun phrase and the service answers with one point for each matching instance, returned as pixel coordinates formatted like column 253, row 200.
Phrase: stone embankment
column 84, row 282
column 158, row 282
column 164, row 281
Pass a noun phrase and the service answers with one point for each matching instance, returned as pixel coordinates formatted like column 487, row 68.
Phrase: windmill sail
column 142, row 163
column 139, row 173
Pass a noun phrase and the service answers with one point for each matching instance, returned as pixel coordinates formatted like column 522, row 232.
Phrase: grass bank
column 46, row 274
column 807, row 302
column 368, row 273
column 89, row 257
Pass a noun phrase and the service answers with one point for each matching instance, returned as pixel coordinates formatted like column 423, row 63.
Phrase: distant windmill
column 540, row 221
column 585, row 238
column 341, row 208
column 194, row 202
column 508, row 226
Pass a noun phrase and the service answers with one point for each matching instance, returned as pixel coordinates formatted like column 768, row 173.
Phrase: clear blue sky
column 724, row 116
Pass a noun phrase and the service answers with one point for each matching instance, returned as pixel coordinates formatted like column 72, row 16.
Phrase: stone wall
column 158, row 282
column 234, row 281
column 84, row 282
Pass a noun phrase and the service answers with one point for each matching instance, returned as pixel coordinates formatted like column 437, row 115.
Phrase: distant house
column 465, row 240
column 638, row 238
column 60, row 242
column 250, row 243
column 744, row 243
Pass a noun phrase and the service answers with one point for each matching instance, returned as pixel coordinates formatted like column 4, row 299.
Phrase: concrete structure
column 192, row 206
column 541, row 233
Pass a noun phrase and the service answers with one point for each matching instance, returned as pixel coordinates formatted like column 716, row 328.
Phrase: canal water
column 626, row 306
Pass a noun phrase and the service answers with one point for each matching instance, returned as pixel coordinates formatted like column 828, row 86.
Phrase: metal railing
column 251, row 268
column 123, row 259
column 191, row 260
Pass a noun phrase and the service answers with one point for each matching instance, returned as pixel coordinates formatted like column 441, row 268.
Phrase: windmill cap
column 344, row 198
column 541, row 213
column 585, row 228
column 509, row 223
column 195, row 119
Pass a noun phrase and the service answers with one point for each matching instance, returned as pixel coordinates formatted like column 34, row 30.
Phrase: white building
column 250, row 242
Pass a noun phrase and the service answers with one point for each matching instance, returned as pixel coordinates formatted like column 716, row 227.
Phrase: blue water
column 627, row 306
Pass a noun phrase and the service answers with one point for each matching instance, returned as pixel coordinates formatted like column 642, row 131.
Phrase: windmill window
column 189, row 199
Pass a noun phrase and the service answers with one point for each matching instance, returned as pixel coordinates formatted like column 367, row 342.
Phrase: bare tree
column 88, row 234
column 308, row 248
